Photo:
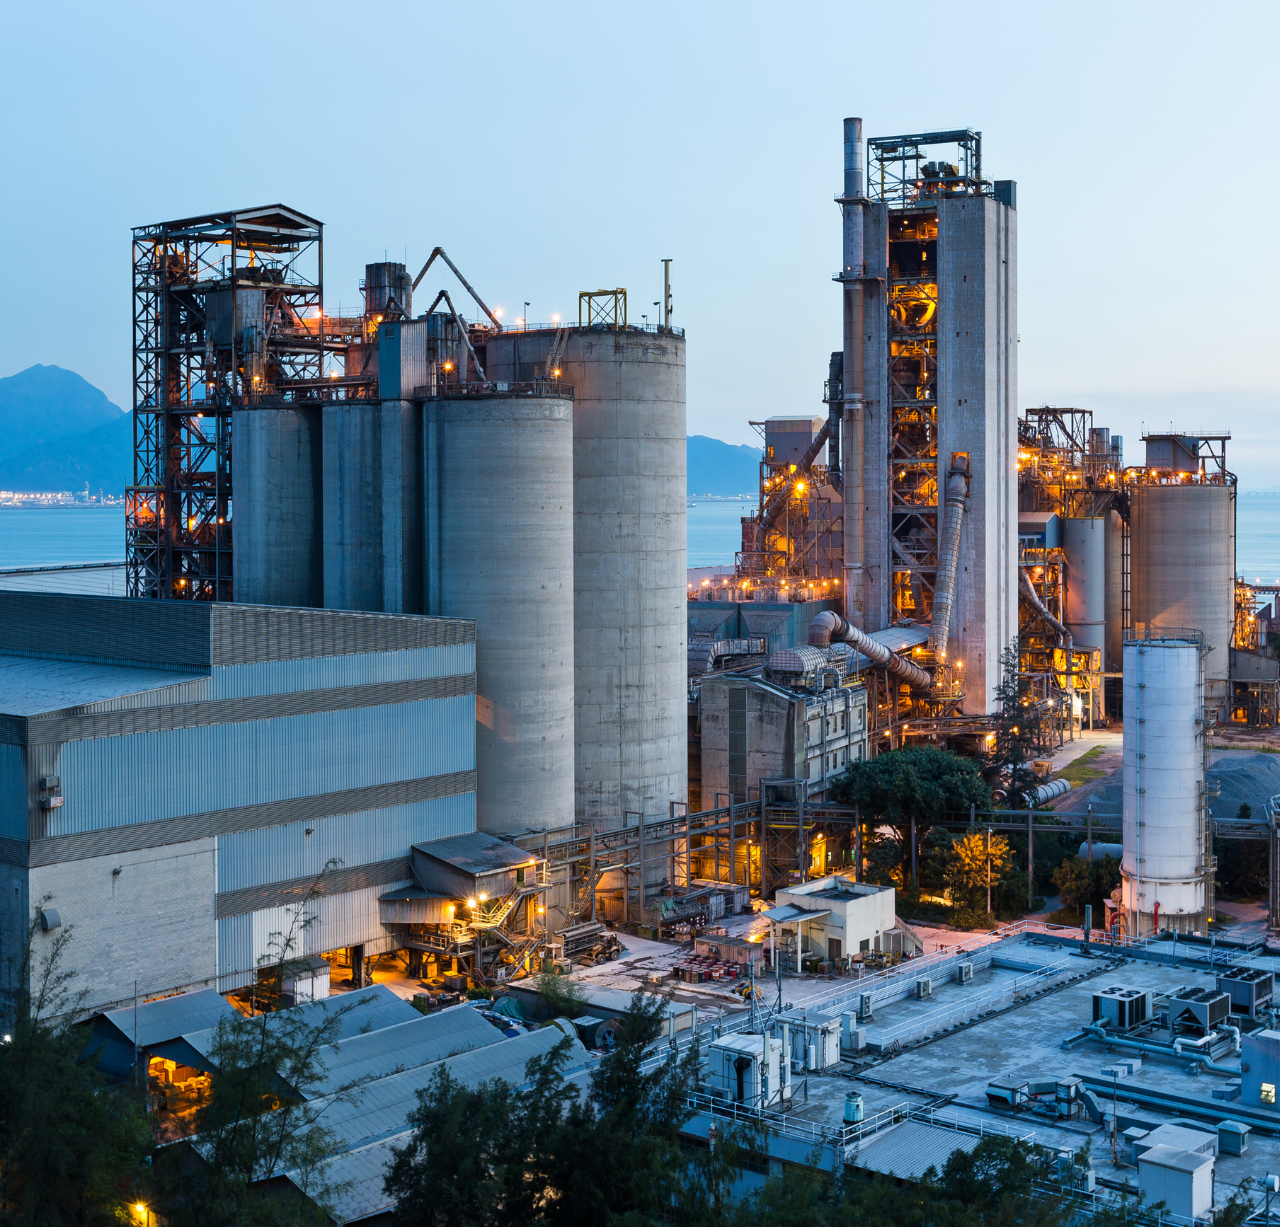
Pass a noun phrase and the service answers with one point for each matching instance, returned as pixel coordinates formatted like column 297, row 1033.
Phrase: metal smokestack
column 853, row 157
column 852, row 434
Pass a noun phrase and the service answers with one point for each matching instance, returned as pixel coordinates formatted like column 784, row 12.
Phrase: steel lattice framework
column 227, row 313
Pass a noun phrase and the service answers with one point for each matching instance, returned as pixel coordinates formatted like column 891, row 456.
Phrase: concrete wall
column 146, row 916
column 630, row 646
column 775, row 737
column 977, row 413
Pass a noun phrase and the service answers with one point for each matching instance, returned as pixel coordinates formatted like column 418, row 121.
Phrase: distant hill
column 716, row 467
column 57, row 432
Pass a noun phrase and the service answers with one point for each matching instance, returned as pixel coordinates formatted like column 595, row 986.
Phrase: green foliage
column 1018, row 729
column 560, row 996
column 1080, row 771
column 921, row 782
column 1080, row 883
column 71, row 1149
column 264, row 1116
column 490, row 1156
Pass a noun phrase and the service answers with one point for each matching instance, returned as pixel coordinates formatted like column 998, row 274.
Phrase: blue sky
column 555, row 148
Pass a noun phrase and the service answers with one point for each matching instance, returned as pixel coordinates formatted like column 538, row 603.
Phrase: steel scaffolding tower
column 228, row 313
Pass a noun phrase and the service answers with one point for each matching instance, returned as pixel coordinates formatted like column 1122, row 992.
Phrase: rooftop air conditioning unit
column 924, row 988
column 1122, row 1008
column 1248, row 988
column 864, row 1007
column 1197, row 1011
column 964, row 973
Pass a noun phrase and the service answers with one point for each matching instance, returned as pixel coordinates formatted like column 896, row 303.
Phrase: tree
column 265, row 1116
column 1018, row 727
column 921, row 782
column 492, row 1156
column 975, row 865
column 72, row 1149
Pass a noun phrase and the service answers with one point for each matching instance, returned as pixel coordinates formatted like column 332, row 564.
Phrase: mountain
column 716, row 467
column 57, row 432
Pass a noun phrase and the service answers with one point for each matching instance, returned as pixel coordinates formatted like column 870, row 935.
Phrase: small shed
column 116, row 1034
column 468, row 866
column 835, row 916
column 1182, row 1179
column 1260, row 1068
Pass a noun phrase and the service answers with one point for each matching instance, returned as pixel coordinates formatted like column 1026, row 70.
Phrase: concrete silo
column 629, row 607
column 498, row 496
column 1166, row 882
column 276, row 472
column 1182, row 568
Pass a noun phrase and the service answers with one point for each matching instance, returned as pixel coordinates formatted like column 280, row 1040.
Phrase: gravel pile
column 1243, row 777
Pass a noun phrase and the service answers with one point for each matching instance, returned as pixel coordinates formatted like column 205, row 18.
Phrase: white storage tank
column 498, row 495
column 630, row 609
column 1182, row 568
column 1163, row 870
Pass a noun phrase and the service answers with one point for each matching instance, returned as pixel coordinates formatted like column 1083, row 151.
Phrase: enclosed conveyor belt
column 829, row 626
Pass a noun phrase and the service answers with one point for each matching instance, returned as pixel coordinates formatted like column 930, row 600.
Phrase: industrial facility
column 413, row 682
column 530, row 480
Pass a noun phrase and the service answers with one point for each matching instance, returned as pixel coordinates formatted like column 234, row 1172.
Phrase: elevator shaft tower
column 929, row 279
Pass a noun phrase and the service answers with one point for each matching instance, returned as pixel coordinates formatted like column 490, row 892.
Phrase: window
column 1268, row 1092
column 864, row 946
column 844, row 721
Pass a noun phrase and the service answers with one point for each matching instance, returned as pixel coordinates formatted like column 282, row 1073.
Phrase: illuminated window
column 1268, row 1092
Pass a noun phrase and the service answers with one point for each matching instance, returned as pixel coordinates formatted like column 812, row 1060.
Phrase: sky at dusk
column 556, row 148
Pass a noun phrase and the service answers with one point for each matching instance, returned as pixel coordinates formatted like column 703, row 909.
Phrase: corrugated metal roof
column 911, row 1148
column 170, row 1017
column 476, row 853
column 404, row 1046
column 31, row 686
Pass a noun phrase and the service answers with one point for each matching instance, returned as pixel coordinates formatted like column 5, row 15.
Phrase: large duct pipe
column 852, row 441
column 949, row 554
column 1038, row 605
column 828, row 626
column 1047, row 792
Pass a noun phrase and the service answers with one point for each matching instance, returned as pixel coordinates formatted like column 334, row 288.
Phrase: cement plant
column 414, row 710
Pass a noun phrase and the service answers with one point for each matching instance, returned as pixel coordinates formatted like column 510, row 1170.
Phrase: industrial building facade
column 177, row 777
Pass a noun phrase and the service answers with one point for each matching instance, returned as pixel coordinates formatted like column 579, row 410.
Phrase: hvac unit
column 864, row 1007
column 924, row 988
column 1197, row 1011
column 746, row 1069
column 1248, row 988
column 1009, row 1093
column 964, row 973
column 1122, row 1008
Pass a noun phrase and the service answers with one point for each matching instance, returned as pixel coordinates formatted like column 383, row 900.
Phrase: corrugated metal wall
column 337, row 921
column 278, row 854
column 117, row 781
column 13, row 792
column 323, row 672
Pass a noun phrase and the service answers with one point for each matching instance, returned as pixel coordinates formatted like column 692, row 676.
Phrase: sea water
column 55, row 536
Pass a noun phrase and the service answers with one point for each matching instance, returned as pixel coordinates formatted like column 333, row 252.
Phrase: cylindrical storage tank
column 1182, row 548
column 630, row 600
column 1164, row 828
column 277, row 549
column 353, row 506
column 499, row 521
column 1084, row 542
column 1115, row 593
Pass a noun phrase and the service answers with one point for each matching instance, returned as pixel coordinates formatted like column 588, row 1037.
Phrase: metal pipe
column 1176, row 1049
column 828, row 626
column 1047, row 792
column 949, row 554
column 439, row 251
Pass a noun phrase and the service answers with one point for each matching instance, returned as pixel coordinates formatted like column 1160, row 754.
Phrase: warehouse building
column 175, row 777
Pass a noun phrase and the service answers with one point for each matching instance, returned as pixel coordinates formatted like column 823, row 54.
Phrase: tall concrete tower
column 928, row 413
